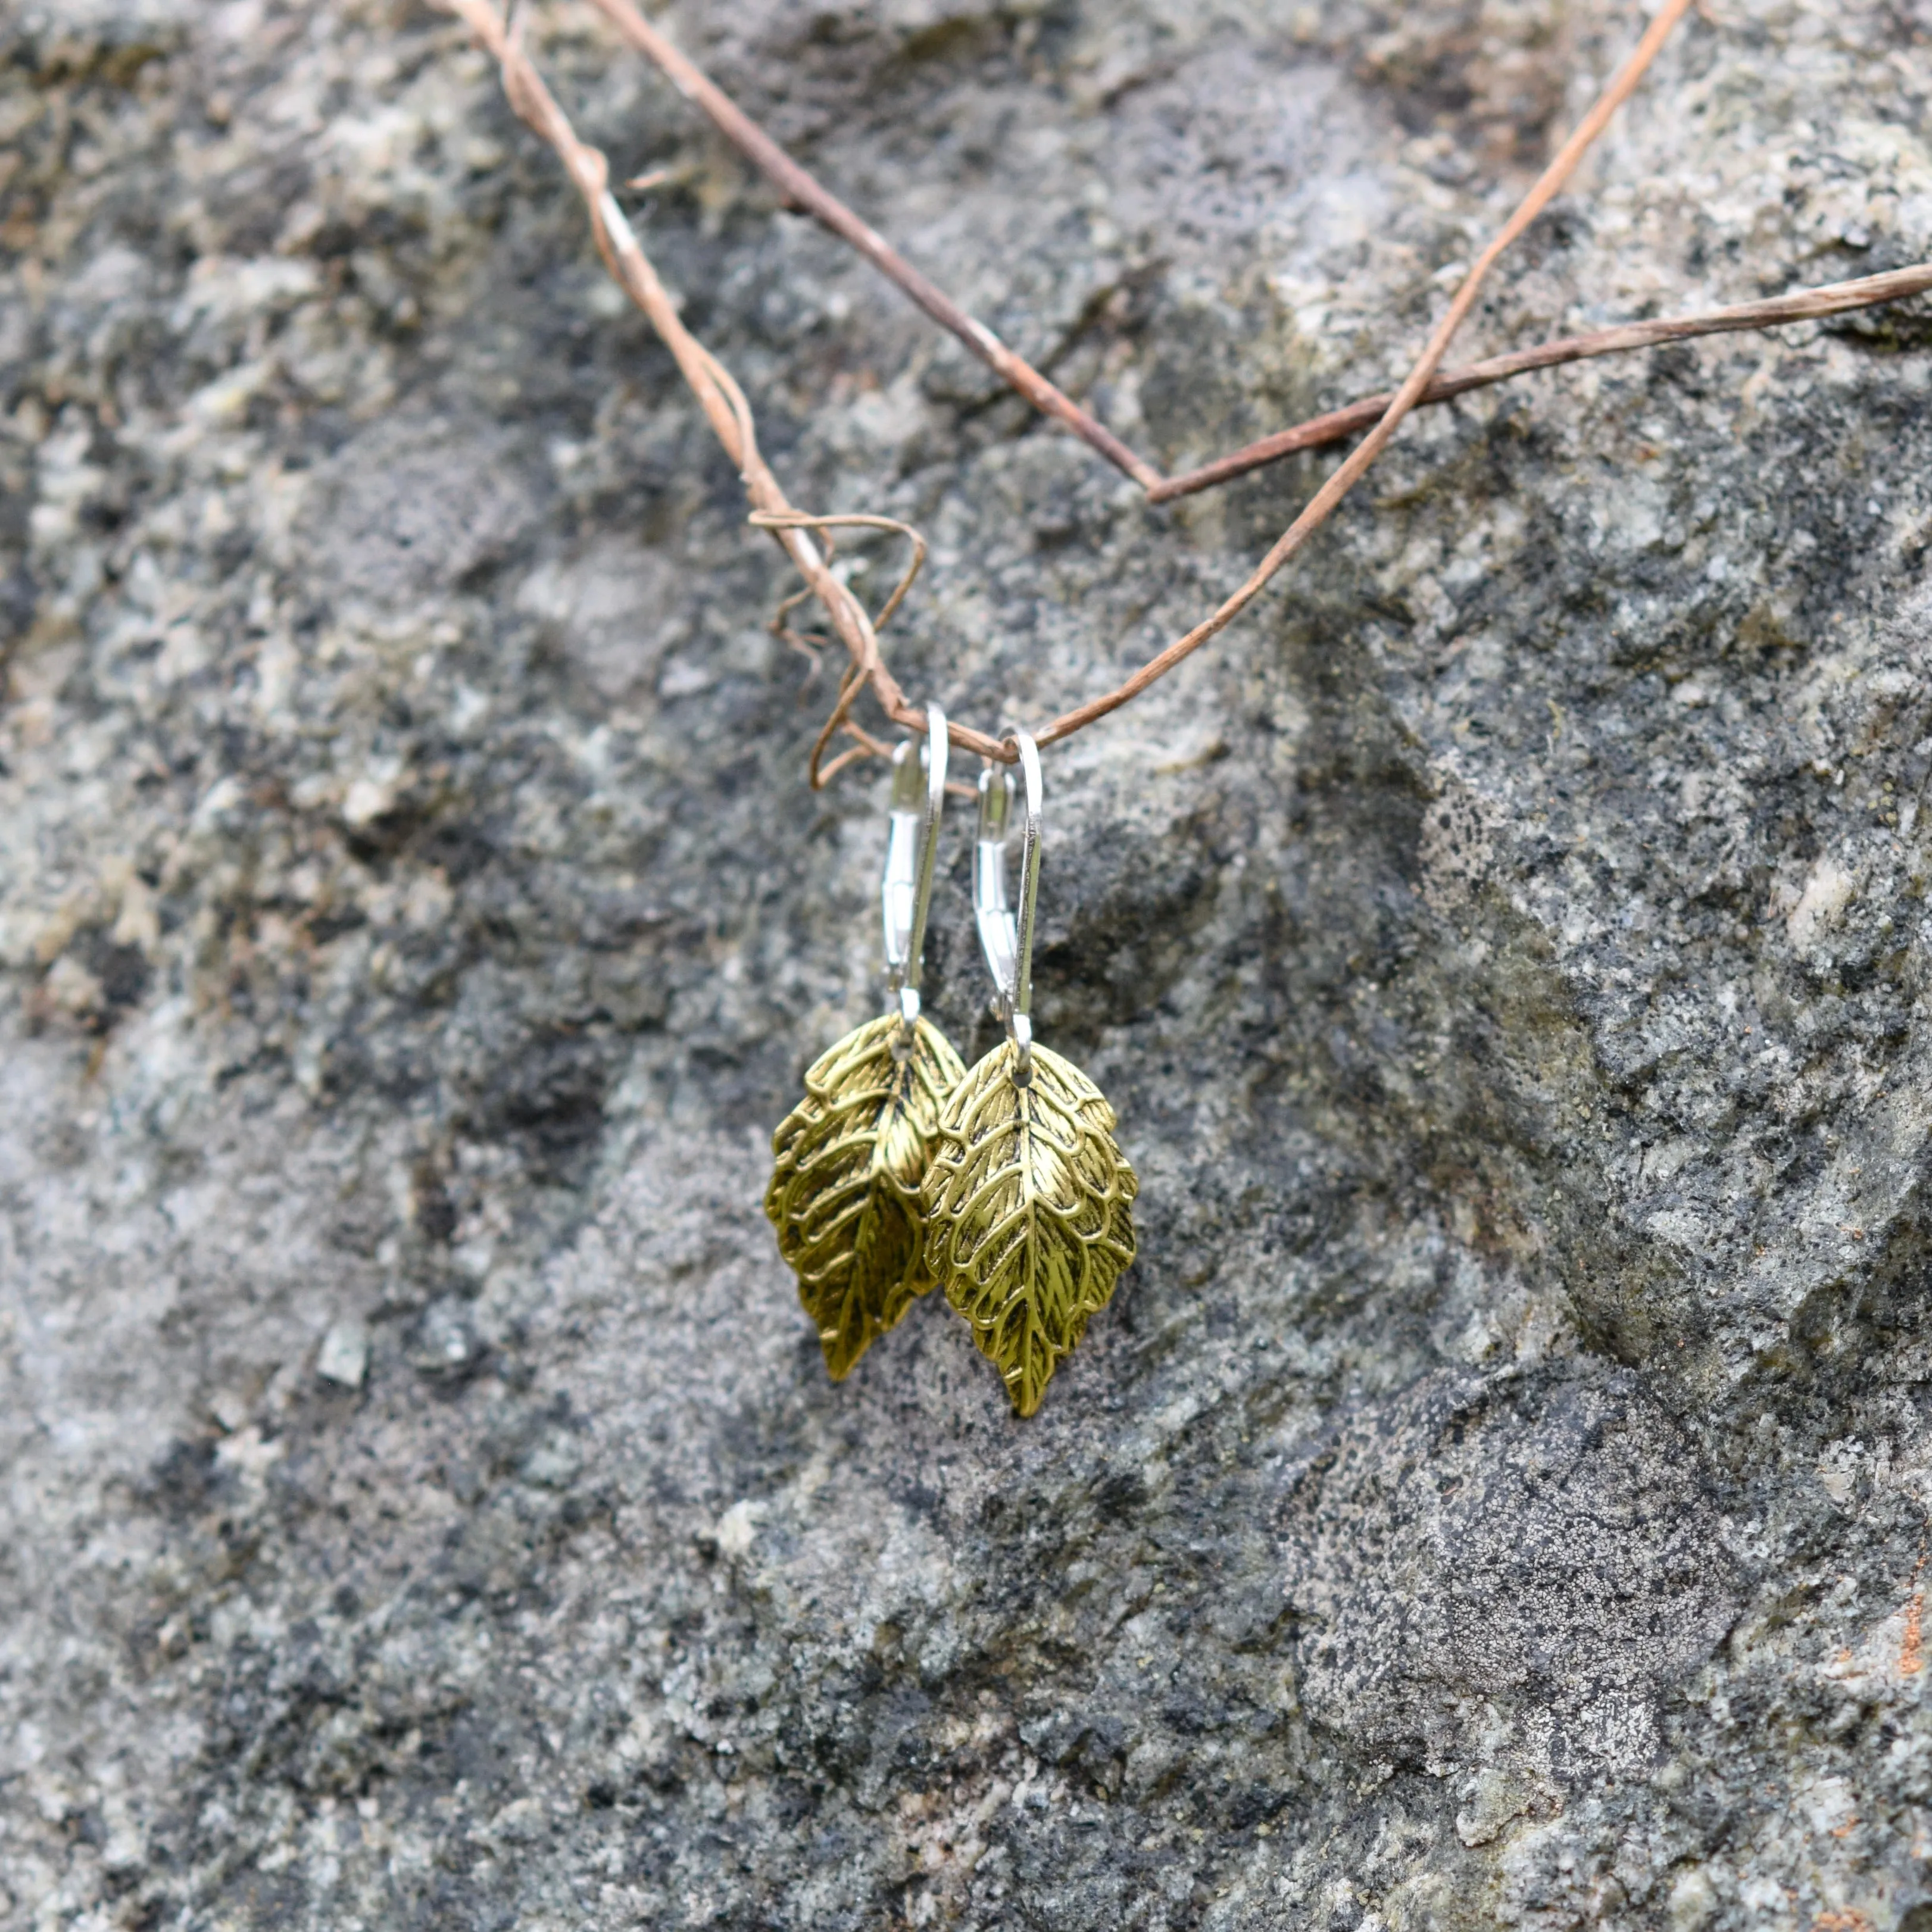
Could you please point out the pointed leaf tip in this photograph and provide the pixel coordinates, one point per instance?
(1027, 1202)
(844, 1192)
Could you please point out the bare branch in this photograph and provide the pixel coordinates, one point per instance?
(801, 188)
(722, 401)
(730, 416)
(1806, 305)
(1322, 504)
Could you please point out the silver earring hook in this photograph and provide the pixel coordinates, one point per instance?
(912, 847)
(999, 931)
(1006, 937)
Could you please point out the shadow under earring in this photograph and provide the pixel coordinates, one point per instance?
(850, 1157)
(1028, 1199)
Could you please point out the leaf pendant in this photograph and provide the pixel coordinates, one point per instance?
(1027, 1207)
(844, 1197)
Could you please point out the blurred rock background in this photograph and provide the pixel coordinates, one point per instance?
(1499, 1495)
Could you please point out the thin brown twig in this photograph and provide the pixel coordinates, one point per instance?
(1385, 411)
(717, 393)
(818, 773)
(797, 519)
(1804, 305)
(808, 648)
(806, 192)
(803, 190)
(867, 746)
(730, 416)
(1322, 504)
(848, 689)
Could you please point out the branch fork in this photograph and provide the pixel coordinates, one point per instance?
(1381, 416)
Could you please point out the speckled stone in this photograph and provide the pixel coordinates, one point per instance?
(1499, 1494)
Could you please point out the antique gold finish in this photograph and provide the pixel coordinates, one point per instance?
(1028, 1199)
(1027, 1203)
(845, 1196)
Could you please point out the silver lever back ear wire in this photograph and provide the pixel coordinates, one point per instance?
(905, 893)
(1006, 937)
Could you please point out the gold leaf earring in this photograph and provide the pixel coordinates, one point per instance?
(1028, 1200)
(844, 1196)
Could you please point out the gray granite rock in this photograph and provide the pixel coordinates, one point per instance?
(1498, 1494)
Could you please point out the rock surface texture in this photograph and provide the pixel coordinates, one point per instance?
(1499, 1494)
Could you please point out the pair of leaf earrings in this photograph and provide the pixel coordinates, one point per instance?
(900, 1171)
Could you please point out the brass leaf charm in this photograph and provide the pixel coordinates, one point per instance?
(845, 1195)
(1027, 1207)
